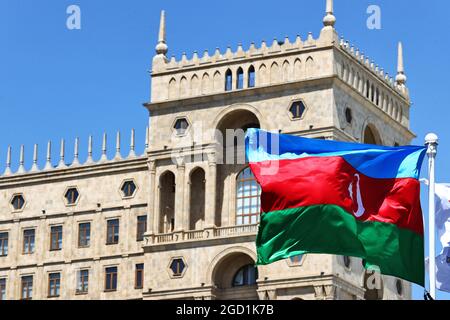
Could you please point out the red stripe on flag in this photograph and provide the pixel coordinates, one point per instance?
(332, 180)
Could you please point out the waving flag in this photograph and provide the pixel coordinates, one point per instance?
(442, 191)
(339, 198)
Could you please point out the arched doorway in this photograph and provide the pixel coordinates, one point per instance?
(230, 137)
(234, 277)
(167, 202)
(231, 134)
(371, 135)
(197, 199)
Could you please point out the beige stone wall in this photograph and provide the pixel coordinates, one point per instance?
(100, 199)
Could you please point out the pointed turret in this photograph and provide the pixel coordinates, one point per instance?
(161, 47)
(401, 77)
(329, 20)
(160, 59)
(328, 35)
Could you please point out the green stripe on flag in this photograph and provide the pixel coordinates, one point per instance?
(330, 229)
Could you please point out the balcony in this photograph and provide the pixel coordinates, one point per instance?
(187, 238)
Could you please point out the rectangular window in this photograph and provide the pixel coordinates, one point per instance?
(111, 279)
(28, 241)
(2, 289)
(84, 235)
(83, 282)
(112, 232)
(27, 288)
(141, 227)
(139, 276)
(3, 244)
(56, 234)
(54, 283)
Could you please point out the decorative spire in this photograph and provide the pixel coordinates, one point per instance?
(132, 145)
(76, 161)
(21, 160)
(401, 77)
(8, 162)
(35, 168)
(89, 159)
(161, 47)
(62, 155)
(104, 158)
(118, 156)
(48, 163)
(329, 20)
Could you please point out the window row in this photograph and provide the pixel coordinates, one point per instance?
(82, 285)
(84, 236)
(372, 92)
(240, 79)
(245, 276)
(71, 196)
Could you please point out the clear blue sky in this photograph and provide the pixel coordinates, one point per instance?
(56, 83)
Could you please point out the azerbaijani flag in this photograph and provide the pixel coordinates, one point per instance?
(339, 198)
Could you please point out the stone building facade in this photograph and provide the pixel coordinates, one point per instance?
(179, 223)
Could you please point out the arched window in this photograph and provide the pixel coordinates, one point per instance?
(246, 276)
(167, 202)
(251, 77)
(248, 202)
(228, 80)
(240, 79)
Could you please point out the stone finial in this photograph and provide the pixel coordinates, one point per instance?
(34, 167)
(89, 159)
(8, 163)
(184, 59)
(329, 20)
(104, 158)
(62, 163)
(195, 57)
(401, 77)
(22, 160)
(161, 47)
(118, 156)
(205, 57)
(48, 162)
(286, 40)
(132, 153)
(76, 149)
(217, 53)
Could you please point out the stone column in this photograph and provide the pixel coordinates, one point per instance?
(156, 213)
(187, 205)
(210, 196)
(179, 194)
(151, 199)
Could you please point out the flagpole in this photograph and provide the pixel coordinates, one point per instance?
(431, 141)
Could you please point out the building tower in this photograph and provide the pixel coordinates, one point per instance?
(205, 210)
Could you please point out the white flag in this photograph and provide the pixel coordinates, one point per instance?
(442, 191)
